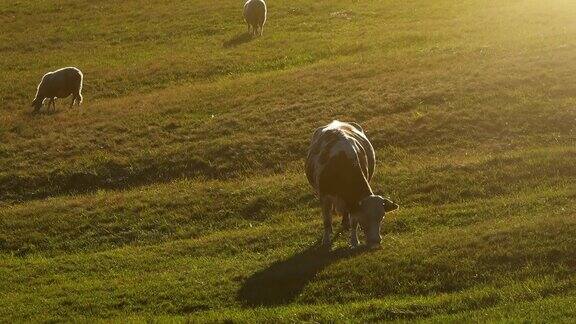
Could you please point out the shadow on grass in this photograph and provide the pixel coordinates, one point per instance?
(238, 39)
(284, 280)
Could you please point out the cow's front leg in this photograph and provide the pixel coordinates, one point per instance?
(327, 216)
(354, 242)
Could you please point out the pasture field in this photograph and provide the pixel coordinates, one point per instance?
(177, 192)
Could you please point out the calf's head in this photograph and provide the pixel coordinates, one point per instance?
(370, 213)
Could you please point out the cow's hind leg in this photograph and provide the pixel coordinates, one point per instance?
(327, 217)
(342, 210)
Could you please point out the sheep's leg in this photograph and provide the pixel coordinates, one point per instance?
(37, 109)
(78, 97)
(261, 30)
(345, 221)
(354, 232)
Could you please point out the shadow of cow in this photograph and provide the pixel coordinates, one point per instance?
(284, 280)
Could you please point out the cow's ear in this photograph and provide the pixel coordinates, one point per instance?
(389, 205)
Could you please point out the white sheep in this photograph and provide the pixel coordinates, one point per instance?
(255, 16)
(59, 84)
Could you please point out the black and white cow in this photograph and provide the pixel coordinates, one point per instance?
(339, 167)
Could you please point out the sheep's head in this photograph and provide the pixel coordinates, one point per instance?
(37, 103)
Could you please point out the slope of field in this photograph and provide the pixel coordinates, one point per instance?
(176, 191)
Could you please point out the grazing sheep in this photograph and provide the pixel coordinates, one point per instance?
(59, 84)
(255, 16)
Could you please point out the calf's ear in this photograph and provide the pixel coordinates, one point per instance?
(389, 205)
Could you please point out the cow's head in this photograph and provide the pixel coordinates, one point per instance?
(370, 213)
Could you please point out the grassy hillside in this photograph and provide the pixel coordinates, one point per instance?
(176, 192)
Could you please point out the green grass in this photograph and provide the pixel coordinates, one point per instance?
(177, 193)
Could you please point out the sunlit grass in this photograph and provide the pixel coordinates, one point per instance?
(176, 192)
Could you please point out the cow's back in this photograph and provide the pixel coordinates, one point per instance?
(340, 161)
